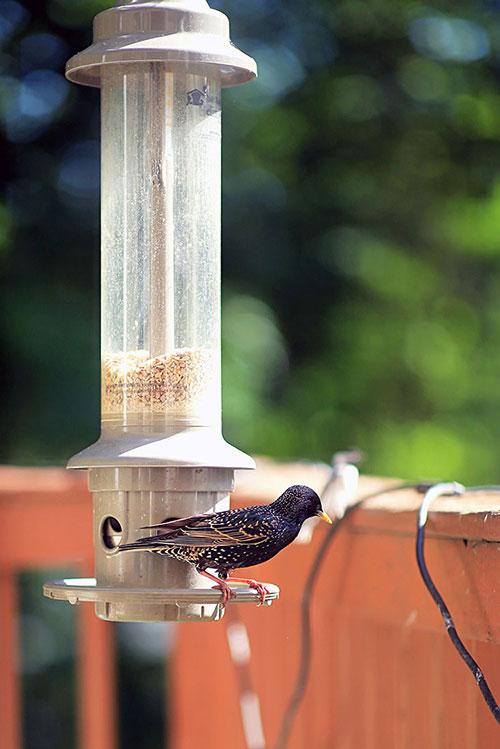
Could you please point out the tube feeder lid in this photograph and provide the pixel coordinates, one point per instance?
(183, 33)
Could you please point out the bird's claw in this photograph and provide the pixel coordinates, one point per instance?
(226, 591)
(259, 587)
(261, 590)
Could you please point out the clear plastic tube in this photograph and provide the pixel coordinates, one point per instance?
(160, 167)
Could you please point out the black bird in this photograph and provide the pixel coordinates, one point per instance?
(224, 541)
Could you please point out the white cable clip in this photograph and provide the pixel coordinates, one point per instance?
(438, 490)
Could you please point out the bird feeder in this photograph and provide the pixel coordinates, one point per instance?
(160, 65)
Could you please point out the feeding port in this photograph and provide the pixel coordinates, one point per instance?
(161, 454)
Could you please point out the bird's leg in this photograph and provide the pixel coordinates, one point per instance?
(261, 589)
(227, 593)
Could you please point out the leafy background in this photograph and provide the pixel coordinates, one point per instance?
(360, 240)
(361, 214)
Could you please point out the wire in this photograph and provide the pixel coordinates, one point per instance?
(305, 655)
(431, 494)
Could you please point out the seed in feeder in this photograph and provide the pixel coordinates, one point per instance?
(169, 382)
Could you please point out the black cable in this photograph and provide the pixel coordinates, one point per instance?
(305, 655)
(432, 493)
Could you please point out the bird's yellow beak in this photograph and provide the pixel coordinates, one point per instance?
(325, 517)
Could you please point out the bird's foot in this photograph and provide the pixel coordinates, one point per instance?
(261, 589)
(226, 591)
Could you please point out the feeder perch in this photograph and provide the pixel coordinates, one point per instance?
(160, 65)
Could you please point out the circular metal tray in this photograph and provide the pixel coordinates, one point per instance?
(80, 589)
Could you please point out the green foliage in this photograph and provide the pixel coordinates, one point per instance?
(75, 13)
(378, 266)
(361, 212)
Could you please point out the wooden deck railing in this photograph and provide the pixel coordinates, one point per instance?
(46, 520)
(383, 673)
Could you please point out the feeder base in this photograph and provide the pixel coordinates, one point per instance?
(154, 604)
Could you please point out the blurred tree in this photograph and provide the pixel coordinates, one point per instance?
(360, 234)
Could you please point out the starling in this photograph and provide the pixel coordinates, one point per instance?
(223, 541)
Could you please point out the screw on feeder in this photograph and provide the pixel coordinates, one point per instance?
(160, 65)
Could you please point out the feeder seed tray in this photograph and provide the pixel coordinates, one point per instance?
(85, 589)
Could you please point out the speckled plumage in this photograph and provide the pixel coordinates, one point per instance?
(224, 541)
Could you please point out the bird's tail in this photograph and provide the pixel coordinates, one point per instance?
(141, 543)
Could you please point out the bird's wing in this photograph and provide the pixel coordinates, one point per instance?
(179, 522)
(220, 529)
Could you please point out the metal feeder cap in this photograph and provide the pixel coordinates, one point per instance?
(182, 33)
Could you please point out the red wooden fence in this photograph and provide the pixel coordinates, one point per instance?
(383, 676)
(46, 520)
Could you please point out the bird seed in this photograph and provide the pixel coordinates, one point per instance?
(175, 383)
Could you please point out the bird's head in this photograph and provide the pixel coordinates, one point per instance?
(300, 502)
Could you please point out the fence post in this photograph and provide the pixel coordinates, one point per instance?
(10, 701)
(97, 707)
